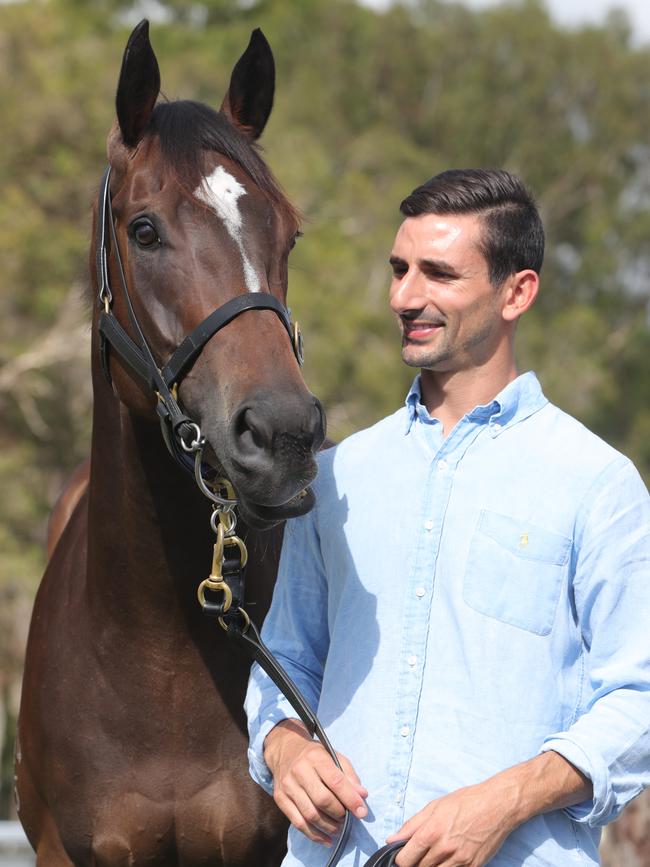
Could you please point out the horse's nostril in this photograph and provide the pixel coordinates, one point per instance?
(251, 432)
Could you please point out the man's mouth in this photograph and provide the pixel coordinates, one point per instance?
(417, 330)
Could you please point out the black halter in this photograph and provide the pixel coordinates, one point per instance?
(179, 431)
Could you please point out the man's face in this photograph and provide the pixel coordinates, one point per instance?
(449, 312)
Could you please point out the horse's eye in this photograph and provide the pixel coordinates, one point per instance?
(294, 239)
(145, 234)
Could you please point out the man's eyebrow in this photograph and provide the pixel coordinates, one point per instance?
(438, 266)
(431, 266)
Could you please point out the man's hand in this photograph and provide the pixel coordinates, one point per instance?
(308, 787)
(467, 827)
(463, 829)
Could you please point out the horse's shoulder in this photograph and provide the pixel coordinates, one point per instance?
(73, 491)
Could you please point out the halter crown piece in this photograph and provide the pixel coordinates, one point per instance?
(182, 436)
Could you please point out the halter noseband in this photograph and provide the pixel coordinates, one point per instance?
(182, 435)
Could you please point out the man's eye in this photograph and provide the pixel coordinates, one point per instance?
(145, 234)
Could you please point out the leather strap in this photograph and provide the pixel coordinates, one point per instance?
(250, 641)
(192, 345)
(385, 857)
(116, 336)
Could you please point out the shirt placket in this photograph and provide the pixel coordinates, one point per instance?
(417, 601)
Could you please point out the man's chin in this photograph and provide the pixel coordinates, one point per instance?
(418, 356)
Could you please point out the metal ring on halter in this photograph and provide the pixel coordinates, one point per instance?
(215, 587)
(298, 344)
(244, 615)
(197, 443)
(205, 490)
(223, 515)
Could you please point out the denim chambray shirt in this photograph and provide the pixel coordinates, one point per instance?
(453, 606)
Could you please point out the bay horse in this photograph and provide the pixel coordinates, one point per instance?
(131, 744)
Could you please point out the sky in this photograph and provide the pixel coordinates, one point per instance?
(576, 12)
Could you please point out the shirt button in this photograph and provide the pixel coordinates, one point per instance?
(404, 731)
(496, 425)
(412, 660)
(428, 524)
(442, 465)
(420, 592)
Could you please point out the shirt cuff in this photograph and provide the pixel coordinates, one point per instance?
(599, 809)
(257, 767)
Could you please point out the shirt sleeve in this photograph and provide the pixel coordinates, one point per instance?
(296, 631)
(610, 740)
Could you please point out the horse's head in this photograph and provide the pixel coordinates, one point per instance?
(199, 220)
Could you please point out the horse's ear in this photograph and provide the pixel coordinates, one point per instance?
(249, 100)
(138, 86)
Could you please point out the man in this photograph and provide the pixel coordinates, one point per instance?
(468, 603)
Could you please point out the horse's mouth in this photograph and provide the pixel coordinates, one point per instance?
(258, 515)
(263, 517)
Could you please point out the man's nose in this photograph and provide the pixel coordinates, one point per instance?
(408, 293)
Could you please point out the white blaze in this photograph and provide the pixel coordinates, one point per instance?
(221, 191)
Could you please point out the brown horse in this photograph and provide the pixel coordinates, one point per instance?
(132, 745)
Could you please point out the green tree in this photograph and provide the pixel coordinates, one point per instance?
(368, 105)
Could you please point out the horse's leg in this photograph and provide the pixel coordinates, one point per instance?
(37, 822)
(73, 491)
(50, 851)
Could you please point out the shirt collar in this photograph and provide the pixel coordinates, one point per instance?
(518, 400)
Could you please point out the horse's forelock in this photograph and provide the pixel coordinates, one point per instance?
(186, 129)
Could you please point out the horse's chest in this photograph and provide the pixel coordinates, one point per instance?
(221, 823)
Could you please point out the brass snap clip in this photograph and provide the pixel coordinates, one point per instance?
(215, 581)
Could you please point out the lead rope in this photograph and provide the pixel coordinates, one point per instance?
(221, 595)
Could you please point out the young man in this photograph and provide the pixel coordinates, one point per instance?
(468, 603)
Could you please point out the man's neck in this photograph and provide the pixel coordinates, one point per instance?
(449, 396)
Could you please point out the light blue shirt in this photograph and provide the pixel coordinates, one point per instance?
(453, 606)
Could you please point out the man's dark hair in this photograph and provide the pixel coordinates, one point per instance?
(513, 235)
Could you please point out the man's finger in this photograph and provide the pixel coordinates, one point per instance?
(311, 810)
(293, 814)
(412, 854)
(351, 774)
(347, 793)
(410, 826)
(323, 798)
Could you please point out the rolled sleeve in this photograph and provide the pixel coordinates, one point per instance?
(296, 632)
(263, 714)
(609, 741)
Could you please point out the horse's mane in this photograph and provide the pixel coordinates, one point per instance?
(185, 129)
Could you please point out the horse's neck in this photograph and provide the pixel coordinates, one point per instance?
(149, 534)
(149, 537)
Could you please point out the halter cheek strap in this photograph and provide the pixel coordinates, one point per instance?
(177, 428)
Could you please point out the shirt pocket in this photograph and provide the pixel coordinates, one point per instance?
(515, 571)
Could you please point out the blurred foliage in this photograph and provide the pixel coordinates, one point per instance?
(368, 105)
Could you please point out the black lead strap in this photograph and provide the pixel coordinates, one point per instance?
(248, 638)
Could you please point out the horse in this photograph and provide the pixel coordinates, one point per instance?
(131, 744)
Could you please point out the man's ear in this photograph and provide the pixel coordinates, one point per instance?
(520, 293)
(249, 100)
(138, 87)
